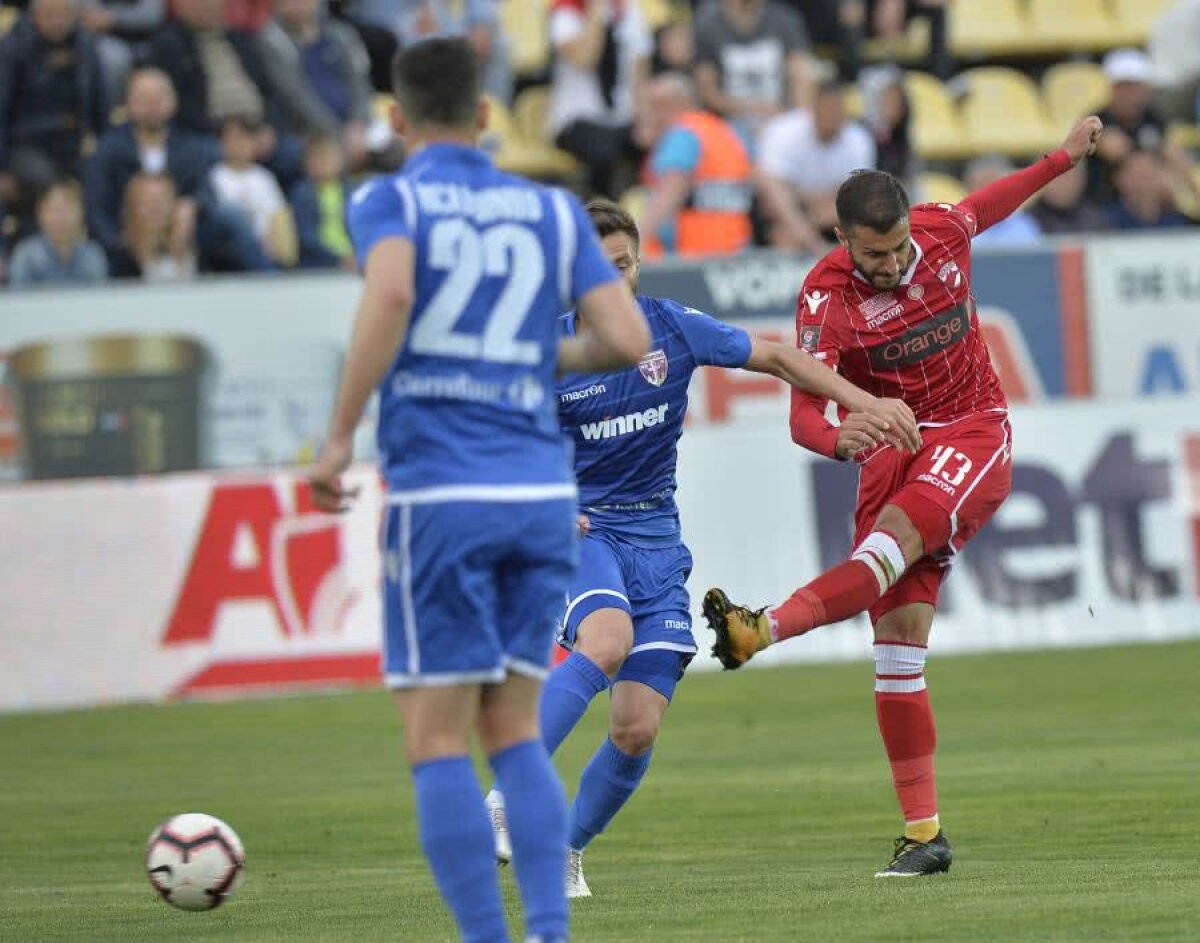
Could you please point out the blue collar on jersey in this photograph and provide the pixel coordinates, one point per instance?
(441, 152)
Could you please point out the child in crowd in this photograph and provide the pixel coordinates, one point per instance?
(61, 252)
(241, 183)
(319, 206)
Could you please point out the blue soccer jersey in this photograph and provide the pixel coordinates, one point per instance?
(469, 399)
(479, 540)
(626, 425)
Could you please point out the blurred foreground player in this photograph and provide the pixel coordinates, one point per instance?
(628, 620)
(892, 310)
(467, 271)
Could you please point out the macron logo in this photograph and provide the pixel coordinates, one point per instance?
(623, 425)
(815, 299)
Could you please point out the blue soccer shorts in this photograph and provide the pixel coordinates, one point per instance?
(648, 583)
(473, 589)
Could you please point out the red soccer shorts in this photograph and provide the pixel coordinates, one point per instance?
(949, 490)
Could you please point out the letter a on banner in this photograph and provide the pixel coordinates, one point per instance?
(251, 548)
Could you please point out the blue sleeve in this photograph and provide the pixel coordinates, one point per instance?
(591, 267)
(378, 210)
(678, 151)
(712, 342)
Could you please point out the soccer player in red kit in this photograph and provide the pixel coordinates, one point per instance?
(891, 309)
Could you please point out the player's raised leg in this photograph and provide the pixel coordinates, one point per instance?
(907, 726)
(847, 589)
(452, 822)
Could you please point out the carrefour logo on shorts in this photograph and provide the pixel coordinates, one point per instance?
(623, 425)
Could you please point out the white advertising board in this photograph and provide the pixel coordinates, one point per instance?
(179, 585)
(1144, 308)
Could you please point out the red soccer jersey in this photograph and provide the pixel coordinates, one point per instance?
(919, 342)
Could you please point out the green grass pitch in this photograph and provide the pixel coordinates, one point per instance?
(1070, 783)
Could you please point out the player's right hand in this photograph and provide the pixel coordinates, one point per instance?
(1084, 137)
(326, 477)
(899, 423)
(584, 525)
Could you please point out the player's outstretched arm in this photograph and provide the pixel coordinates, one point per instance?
(1003, 197)
(611, 332)
(883, 419)
(379, 329)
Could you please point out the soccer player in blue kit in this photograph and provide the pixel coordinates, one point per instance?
(467, 271)
(628, 620)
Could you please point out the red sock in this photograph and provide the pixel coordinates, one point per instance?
(837, 594)
(846, 590)
(907, 726)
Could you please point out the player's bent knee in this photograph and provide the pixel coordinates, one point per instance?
(910, 624)
(914, 532)
(606, 636)
(636, 735)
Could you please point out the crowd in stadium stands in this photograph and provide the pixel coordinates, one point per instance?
(154, 139)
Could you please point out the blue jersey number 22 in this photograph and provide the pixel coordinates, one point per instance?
(466, 255)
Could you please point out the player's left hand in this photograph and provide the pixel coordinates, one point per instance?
(584, 524)
(326, 477)
(1084, 137)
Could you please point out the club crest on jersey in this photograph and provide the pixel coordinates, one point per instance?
(653, 367)
(814, 299)
(950, 275)
(916, 292)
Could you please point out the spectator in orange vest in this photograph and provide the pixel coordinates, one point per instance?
(697, 175)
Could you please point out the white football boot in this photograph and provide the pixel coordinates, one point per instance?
(495, 807)
(576, 885)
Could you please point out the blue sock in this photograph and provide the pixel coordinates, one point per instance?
(537, 823)
(565, 698)
(608, 781)
(456, 836)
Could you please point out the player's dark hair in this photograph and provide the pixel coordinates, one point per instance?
(436, 82)
(871, 198)
(609, 217)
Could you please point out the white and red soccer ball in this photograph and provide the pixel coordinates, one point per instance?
(195, 861)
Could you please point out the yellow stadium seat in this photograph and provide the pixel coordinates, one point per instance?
(8, 17)
(529, 112)
(912, 47)
(1134, 19)
(1186, 136)
(527, 25)
(937, 127)
(658, 13)
(517, 153)
(633, 201)
(1072, 25)
(988, 28)
(855, 107)
(940, 188)
(1071, 90)
(1003, 113)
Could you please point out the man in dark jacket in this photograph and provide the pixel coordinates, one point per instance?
(151, 142)
(219, 73)
(51, 100)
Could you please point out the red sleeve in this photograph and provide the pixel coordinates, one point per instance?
(998, 200)
(810, 428)
(817, 334)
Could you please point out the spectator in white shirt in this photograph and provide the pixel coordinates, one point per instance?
(240, 183)
(602, 50)
(803, 157)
